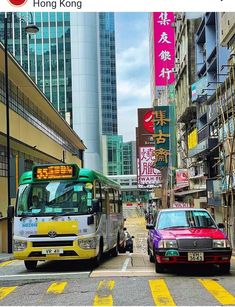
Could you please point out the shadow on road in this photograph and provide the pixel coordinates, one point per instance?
(67, 265)
(194, 270)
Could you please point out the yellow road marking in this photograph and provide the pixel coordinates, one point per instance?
(4, 291)
(219, 292)
(103, 295)
(160, 293)
(57, 288)
(6, 263)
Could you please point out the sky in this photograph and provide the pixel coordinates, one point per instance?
(133, 75)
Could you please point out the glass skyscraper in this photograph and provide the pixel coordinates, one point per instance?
(72, 60)
(108, 73)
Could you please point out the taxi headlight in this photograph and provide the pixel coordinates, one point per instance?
(168, 244)
(87, 243)
(221, 244)
(19, 245)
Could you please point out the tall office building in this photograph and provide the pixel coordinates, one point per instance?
(72, 60)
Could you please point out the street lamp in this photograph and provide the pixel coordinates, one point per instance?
(30, 29)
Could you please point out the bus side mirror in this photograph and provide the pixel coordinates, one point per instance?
(10, 212)
(95, 205)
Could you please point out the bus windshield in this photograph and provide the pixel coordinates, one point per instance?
(54, 198)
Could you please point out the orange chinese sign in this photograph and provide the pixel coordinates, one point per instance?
(51, 172)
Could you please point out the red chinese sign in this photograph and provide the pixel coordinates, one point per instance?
(164, 52)
(181, 177)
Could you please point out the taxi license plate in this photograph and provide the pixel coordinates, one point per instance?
(195, 256)
(52, 251)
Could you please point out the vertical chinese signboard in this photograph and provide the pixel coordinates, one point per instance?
(164, 44)
(148, 176)
(162, 136)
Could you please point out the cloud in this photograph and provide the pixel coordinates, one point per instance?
(133, 86)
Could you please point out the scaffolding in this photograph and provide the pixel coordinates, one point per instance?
(225, 103)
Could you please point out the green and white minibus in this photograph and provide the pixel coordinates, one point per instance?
(64, 212)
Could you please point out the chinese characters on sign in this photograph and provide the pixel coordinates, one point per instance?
(148, 176)
(161, 136)
(164, 48)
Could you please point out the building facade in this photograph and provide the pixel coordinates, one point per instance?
(129, 158)
(72, 60)
(38, 133)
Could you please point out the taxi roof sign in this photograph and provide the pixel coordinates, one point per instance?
(55, 172)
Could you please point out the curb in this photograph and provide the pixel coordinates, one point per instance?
(7, 258)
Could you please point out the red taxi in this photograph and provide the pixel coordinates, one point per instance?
(187, 236)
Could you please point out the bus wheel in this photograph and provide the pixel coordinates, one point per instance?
(96, 261)
(30, 265)
(114, 250)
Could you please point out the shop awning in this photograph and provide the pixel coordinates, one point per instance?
(181, 187)
(182, 193)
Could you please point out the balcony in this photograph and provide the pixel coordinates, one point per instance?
(205, 145)
(203, 134)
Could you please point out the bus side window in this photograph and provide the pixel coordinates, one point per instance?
(116, 201)
(98, 193)
(111, 201)
(104, 194)
(119, 203)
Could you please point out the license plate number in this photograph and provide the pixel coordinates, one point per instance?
(52, 251)
(195, 256)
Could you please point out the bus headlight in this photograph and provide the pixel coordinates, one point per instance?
(89, 243)
(221, 244)
(19, 245)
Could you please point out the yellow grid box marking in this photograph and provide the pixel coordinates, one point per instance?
(160, 293)
(6, 263)
(103, 295)
(57, 288)
(4, 291)
(219, 292)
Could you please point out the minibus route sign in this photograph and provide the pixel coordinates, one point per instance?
(54, 172)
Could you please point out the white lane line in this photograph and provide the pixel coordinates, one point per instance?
(43, 274)
(125, 264)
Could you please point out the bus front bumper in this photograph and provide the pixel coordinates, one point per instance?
(73, 252)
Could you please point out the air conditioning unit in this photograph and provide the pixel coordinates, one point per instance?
(177, 61)
(179, 16)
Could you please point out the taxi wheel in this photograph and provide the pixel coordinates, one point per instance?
(30, 265)
(159, 268)
(151, 257)
(224, 268)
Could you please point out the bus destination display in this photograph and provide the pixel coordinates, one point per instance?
(54, 172)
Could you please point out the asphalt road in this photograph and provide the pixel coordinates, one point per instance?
(128, 279)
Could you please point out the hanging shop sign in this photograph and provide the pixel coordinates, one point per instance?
(161, 136)
(148, 176)
(164, 44)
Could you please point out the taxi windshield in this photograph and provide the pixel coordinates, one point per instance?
(53, 198)
(185, 219)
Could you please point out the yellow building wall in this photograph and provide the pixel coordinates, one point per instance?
(24, 132)
(3, 195)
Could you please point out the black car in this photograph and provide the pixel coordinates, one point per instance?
(129, 241)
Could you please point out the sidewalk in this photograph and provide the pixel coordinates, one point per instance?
(6, 257)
